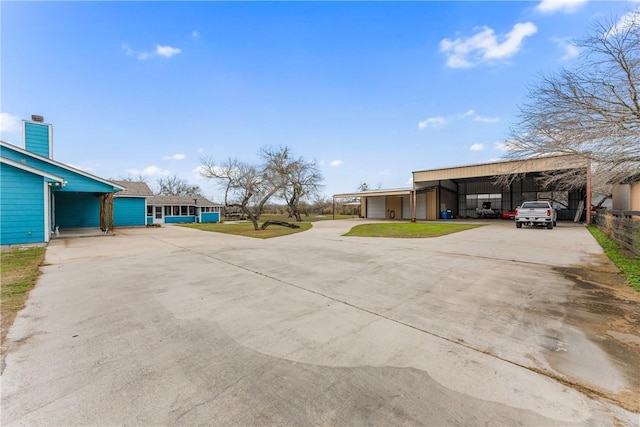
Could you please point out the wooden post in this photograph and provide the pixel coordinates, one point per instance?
(103, 212)
(110, 197)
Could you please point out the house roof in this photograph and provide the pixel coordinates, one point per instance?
(35, 171)
(133, 189)
(181, 200)
(22, 151)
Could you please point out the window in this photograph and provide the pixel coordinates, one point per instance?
(176, 210)
(167, 211)
(149, 210)
(184, 210)
(192, 210)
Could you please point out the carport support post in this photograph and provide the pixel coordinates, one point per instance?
(110, 197)
(103, 212)
(412, 200)
(334, 207)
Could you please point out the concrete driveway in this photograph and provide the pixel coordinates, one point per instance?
(173, 326)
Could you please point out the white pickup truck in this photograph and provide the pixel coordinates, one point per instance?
(536, 213)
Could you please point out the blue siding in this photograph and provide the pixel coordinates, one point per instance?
(129, 211)
(36, 138)
(75, 181)
(149, 220)
(76, 210)
(210, 216)
(181, 218)
(21, 206)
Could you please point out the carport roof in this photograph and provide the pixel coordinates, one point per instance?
(506, 167)
(370, 193)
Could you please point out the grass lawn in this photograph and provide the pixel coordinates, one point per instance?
(245, 228)
(408, 230)
(628, 263)
(18, 274)
(310, 218)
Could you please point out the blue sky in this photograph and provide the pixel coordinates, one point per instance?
(371, 90)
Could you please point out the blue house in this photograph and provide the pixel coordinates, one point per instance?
(130, 205)
(39, 195)
(182, 209)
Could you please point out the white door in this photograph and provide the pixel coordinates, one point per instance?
(406, 207)
(375, 207)
(158, 215)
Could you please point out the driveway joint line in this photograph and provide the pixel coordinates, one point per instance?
(575, 385)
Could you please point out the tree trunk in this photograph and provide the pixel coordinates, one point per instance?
(282, 223)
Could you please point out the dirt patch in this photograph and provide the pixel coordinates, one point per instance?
(607, 310)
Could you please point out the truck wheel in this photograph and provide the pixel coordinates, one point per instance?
(550, 226)
(518, 225)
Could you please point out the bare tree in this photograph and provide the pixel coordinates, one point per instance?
(247, 186)
(129, 178)
(174, 186)
(366, 187)
(227, 173)
(299, 179)
(363, 187)
(592, 111)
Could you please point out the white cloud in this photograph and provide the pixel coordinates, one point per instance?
(569, 49)
(167, 51)
(9, 123)
(127, 50)
(176, 156)
(626, 21)
(487, 119)
(197, 172)
(149, 171)
(431, 122)
(164, 51)
(500, 146)
(477, 147)
(335, 163)
(468, 113)
(486, 46)
(566, 6)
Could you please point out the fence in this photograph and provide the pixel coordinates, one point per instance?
(621, 226)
